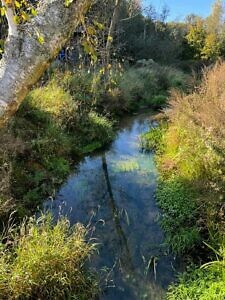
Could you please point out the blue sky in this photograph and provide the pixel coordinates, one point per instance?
(180, 8)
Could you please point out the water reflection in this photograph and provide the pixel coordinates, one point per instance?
(115, 190)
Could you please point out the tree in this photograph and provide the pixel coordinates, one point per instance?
(214, 23)
(212, 47)
(196, 37)
(206, 37)
(31, 45)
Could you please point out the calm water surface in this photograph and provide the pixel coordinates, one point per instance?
(114, 192)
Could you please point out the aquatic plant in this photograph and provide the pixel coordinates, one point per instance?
(128, 165)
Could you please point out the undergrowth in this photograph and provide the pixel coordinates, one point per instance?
(205, 283)
(148, 84)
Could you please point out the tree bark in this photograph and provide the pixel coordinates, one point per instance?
(25, 59)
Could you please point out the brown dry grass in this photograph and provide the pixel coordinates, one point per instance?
(205, 107)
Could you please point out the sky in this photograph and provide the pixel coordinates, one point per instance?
(181, 8)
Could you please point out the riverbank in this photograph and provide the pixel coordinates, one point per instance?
(190, 158)
(60, 122)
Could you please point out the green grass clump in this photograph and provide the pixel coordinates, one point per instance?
(205, 283)
(152, 140)
(180, 215)
(98, 129)
(46, 262)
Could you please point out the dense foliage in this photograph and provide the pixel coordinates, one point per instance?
(191, 189)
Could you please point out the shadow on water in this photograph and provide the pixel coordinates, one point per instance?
(113, 191)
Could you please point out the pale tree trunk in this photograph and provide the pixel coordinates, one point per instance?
(25, 59)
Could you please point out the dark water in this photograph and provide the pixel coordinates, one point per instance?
(114, 191)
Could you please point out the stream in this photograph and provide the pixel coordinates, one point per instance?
(114, 192)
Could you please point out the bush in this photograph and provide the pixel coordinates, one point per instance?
(149, 85)
(46, 262)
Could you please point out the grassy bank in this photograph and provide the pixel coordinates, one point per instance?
(55, 126)
(190, 157)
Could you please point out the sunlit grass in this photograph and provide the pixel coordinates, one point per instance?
(43, 261)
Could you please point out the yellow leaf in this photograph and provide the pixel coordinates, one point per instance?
(110, 38)
(33, 12)
(17, 4)
(41, 39)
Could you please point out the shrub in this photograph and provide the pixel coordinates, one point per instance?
(157, 101)
(149, 85)
(46, 262)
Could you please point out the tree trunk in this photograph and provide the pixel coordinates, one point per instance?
(112, 29)
(26, 58)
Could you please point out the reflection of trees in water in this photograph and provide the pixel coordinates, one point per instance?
(141, 121)
(126, 258)
(141, 287)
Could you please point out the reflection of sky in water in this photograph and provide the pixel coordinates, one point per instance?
(118, 188)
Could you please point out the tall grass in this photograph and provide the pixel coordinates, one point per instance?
(46, 261)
